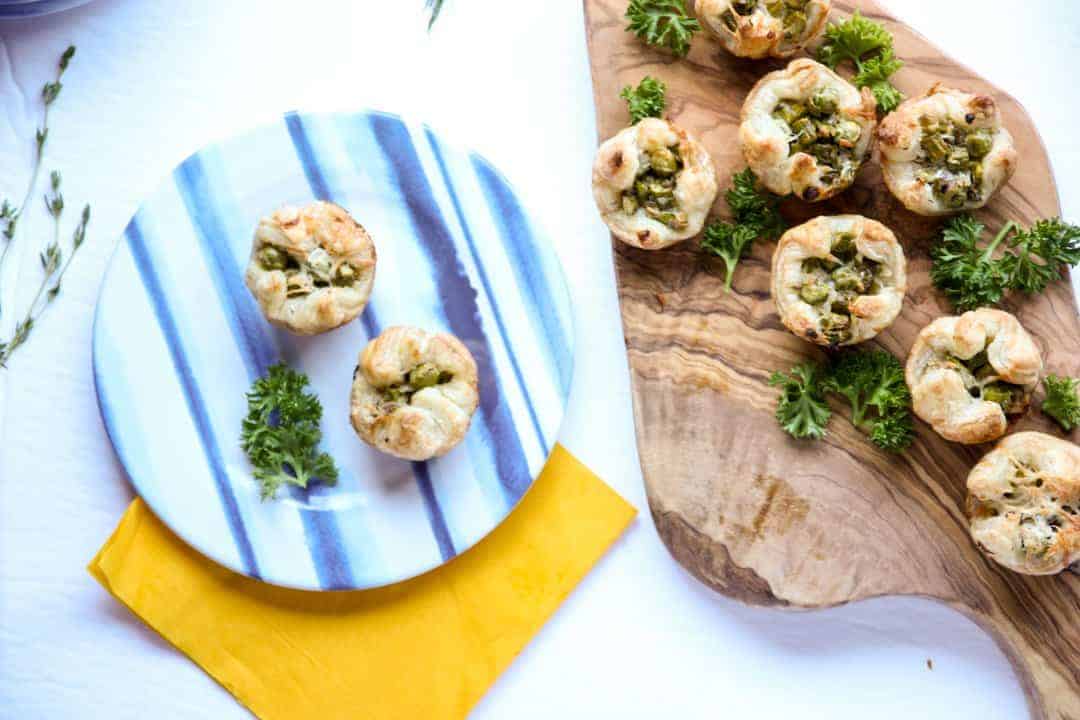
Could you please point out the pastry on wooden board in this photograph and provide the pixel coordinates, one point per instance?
(945, 152)
(414, 393)
(763, 28)
(838, 280)
(653, 184)
(1024, 503)
(970, 375)
(311, 268)
(806, 130)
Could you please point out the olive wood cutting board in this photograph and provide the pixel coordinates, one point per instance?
(773, 521)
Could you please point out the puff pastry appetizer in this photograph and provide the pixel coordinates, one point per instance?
(838, 280)
(764, 28)
(653, 184)
(414, 393)
(945, 152)
(1024, 503)
(311, 268)
(970, 374)
(806, 130)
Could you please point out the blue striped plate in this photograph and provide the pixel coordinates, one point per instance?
(178, 340)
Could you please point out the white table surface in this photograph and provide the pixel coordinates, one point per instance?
(154, 81)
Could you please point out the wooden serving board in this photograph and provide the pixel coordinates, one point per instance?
(774, 521)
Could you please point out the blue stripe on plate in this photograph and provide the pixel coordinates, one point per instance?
(515, 228)
(255, 344)
(321, 189)
(464, 315)
(199, 414)
(478, 260)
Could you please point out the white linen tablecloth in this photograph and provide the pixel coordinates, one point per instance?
(153, 81)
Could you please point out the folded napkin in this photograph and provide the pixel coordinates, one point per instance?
(427, 648)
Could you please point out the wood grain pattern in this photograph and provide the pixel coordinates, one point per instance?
(773, 521)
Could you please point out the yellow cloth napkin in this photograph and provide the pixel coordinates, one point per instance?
(424, 649)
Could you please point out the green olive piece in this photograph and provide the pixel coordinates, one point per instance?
(843, 246)
(979, 144)
(847, 277)
(935, 147)
(797, 4)
(1001, 393)
(824, 101)
(976, 170)
(805, 131)
(775, 7)
(423, 376)
(641, 190)
(394, 393)
(271, 258)
(789, 111)
(957, 160)
(794, 24)
(847, 133)
(728, 19)
(954, 191)
(836, 327)
(826, 154)
(630, 203)
(664, 162)
(814, 292)
(345, 275)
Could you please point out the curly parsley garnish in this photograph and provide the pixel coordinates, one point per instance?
(646, 100)
(281, 433)
(971, 276)
(869, 47)
(871, 381)
(1061, 402)
(662, 23)
(755, 216)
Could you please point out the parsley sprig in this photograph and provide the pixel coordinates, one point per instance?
(281, 433)
(755, 216)
(1061, 402)
(869, 48)
(872, 381)
(663, 24)
(646, 100)
(971, 276)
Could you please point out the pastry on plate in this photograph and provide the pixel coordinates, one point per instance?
(764, 28)
(653, 184)
(806, 130)
(945, 152)
(311, 268)
(970, 375)
(1024, 503)
(414, 393)
(838, 280)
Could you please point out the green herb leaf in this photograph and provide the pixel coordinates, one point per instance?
(66, 57)
(662, 23)
(755, 216)
(872, 381)
(868, 46)
(1062, 402)
(646, 100)
(281, 432)
(434, 7)
(801, 409)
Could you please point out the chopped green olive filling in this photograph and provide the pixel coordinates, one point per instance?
(654, 188)
(834, 283)
(422, 376)
(303, 278)
(791, 12)
(817, 128)
(952, 160)
(981, 380)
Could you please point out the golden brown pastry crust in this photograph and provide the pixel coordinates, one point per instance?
(319, 239)
(387, 409)
(870, 313)
(759, 34)
(899, 141)
(941, 390)
(765, 140)
(1024, 503)
(617, 165)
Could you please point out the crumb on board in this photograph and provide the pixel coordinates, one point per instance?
(929, 664)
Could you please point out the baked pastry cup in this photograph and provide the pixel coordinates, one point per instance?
(945, 152)
(653, 184)
(764, 28)
(969, 375)
(838, 280)
(311, 268)
(414, 393)
(805, 130)
(1024, 503)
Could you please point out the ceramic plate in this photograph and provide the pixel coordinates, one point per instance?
(178, 339)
